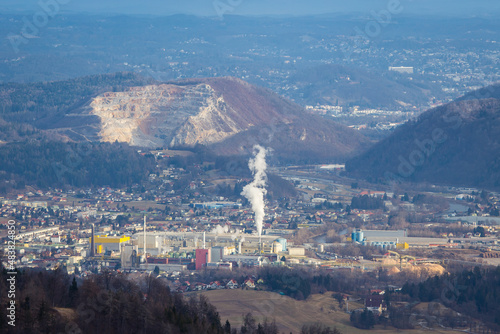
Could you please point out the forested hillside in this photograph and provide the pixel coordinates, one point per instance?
(55, 164)
(456, 144)
(475, 293)
(50, 302)
(41, 103)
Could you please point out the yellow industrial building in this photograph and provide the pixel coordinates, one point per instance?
(105, 243)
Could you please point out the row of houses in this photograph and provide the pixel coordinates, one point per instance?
(186, 286)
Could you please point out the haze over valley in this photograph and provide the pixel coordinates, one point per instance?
(257, 167)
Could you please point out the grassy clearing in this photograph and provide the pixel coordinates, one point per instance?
(290, 315)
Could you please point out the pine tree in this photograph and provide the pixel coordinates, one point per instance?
(227, 327)
(73, 292)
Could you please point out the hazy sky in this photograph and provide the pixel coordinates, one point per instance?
(259, 7)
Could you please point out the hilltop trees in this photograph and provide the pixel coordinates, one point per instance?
(58, 164)
(291, 282)
(366, 202)
(53, 302)
(44, 102)
(104, 303)
(318, 329)
(472, 292)
(363, 320)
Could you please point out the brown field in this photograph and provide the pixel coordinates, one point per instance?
(290, 315)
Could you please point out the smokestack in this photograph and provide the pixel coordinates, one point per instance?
(144, 236)
(92, 244)
(204, 244)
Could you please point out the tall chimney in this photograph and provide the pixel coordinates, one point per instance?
(144, 236)
(204, 244)
(92, 244)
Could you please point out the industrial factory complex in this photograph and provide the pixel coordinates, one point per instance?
(188, 231)
(169, 251)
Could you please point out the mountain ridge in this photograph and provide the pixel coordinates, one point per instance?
(228, 113)
(455, 144)
(225, 114)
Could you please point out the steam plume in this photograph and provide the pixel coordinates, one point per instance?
(220, 230)
(256, 190)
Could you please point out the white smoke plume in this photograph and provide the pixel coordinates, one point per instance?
(217, 230)
(235, 234)
(256, 190)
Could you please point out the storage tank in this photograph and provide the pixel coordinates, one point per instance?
(361, 236)
(283, 243)
(277, 247)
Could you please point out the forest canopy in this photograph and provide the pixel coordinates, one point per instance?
(55, 164)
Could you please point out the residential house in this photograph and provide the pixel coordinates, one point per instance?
(376, 303)
(232, 284)
(200, 286)
(214, 285)
(249, 283)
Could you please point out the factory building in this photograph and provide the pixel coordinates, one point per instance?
(105, 243)
(156, 244)
(128, 256)
(363, 236)
(40, 233)
(217, 253)
(283, 243)
(277, 248)
(393, 239)
(202, 258)
(171, 263)
(247, 260)
(357, 236)
(215, 205)
(296, 251)
(220, 266)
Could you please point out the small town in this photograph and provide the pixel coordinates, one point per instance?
(195, 239)
(250, 167)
